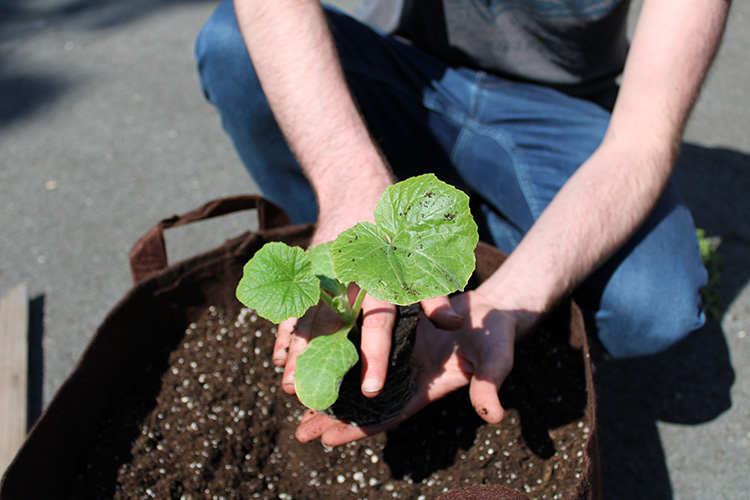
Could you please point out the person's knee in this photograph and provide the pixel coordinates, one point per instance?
(221, 56)
(651, 314)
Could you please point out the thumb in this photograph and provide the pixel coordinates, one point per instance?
(486, 381)
(484, 399)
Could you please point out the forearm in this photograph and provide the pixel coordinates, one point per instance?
(615, 190)
(298, 67)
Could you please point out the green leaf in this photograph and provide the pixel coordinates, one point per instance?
(320, 367)
(712, 261)
(278, 282)
(340, 305)
(322, 267)
(422, 245)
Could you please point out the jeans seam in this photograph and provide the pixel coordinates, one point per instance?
(434, 105)
(464, 134)
(503, 140)
(506, 232)
(470, 126)
(519, 165)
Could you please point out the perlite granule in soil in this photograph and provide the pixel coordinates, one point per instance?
(211, 423)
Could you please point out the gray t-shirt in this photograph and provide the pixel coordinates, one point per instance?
(577, 46)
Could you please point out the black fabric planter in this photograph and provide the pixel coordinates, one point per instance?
(164, 302)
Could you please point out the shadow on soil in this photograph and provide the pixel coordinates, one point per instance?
(689, 383)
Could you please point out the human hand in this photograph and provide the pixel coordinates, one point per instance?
(295, 333)
(378, 319)
(478, 354)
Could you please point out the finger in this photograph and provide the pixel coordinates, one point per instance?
(283, 338)
(316, 425)
(377, 325)
(298, 341)
(333, 432)
(485, 384)
(342, 433)
(308, 414)
(441, 313)
(312, 427)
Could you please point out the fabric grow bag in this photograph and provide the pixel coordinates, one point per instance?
(163, 302)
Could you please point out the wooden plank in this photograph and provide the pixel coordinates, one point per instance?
(14, 323)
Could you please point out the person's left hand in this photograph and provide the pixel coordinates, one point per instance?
(479, 354)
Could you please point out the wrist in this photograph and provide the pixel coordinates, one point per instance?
(336, 218)
(352, 174)
(526, 307)
(350, 198)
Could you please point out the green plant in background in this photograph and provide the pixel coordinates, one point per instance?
(713, 263)
(420, 247)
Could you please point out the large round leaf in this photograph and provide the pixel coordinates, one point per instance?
(422, 245)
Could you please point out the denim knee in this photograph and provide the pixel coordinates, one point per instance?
(646, 319)
(223, 63)
(648, 297)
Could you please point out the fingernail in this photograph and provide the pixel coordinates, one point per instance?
(371, 385)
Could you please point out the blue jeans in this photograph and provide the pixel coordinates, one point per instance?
(510, 145)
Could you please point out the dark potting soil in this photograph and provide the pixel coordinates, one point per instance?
(213, 424)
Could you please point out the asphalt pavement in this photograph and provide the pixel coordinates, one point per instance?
(104, 131)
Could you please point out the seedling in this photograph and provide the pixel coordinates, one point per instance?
(713, 263)
(420, 247)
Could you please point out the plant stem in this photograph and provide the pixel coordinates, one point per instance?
(344, 330)
(358, 304)
(350, 318)
(326, 298)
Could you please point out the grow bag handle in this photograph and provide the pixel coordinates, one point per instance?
(149, 254)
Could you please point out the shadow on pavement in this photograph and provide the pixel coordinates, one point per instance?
(36, 359)
(23, 93)
(715, 183)
(689, 383)
(108, 12)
